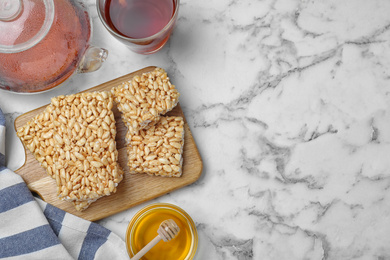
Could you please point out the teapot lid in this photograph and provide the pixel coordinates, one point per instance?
(24, 23)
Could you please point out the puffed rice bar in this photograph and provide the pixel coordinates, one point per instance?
(74, 140)
(144, 98)
(158, 150)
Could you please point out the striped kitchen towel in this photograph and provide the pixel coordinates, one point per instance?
(33, 229)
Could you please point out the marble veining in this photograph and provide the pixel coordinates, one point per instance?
(289, 104)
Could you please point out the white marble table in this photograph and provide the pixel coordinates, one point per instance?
(289, 103)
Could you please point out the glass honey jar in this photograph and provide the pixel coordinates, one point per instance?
(143, 228)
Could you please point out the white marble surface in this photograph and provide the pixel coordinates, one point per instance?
(289, 103)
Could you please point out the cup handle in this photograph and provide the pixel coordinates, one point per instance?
(92, 60)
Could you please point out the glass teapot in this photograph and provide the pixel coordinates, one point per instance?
(43, 43)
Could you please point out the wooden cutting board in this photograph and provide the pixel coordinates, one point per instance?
(134, 188)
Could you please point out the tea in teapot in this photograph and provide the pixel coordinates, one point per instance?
(43, 42)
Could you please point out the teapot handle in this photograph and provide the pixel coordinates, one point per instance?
(92, 60)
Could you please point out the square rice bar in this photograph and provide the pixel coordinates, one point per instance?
(158, 150)
(144, 98)
(74, 140)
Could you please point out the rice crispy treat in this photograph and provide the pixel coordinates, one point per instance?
(36, 136)
(158, 150)
(74, 140)
(144, 98)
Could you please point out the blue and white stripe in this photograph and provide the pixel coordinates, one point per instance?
(32, 229)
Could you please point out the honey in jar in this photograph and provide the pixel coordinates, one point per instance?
(143, 228)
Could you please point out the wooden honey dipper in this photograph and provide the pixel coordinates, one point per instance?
(167, 230)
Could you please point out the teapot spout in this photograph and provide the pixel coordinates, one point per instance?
(92, 60)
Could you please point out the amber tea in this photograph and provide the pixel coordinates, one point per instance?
(139, 18)
(143, 25)
(52, 60)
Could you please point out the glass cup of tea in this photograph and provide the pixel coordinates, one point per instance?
(143, 25)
